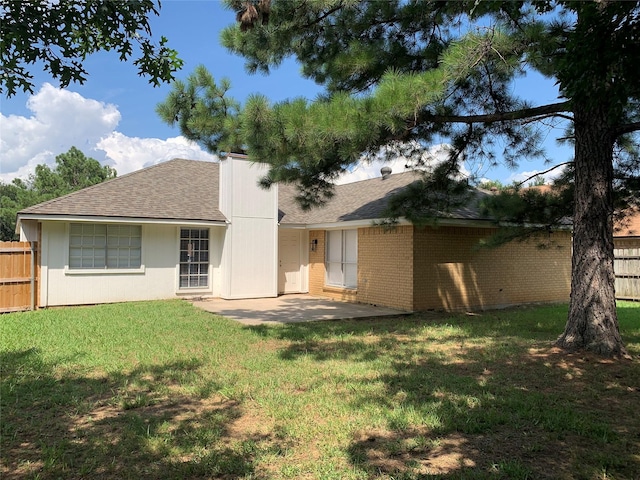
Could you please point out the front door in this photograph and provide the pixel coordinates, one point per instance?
(289, 277)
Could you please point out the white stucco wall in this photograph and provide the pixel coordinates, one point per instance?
(157, 279)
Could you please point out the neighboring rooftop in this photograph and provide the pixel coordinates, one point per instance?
(628, 225)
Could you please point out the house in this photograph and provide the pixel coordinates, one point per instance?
(190, 228)
(626, 244)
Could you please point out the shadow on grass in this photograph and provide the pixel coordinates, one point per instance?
(507, 417)
(480, 396)
(116, 426)
(483, 396)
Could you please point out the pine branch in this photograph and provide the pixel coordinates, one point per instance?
(627, 128)
(542, 173)
(533, 112)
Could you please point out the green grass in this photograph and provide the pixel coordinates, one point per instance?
(161, 390)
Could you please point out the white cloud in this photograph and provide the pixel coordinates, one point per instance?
(127, 154)
(365, 170)
(61, 119)
(525, 176)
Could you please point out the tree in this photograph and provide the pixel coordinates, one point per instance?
(63, 33)
(401, 75)
(73, 171)
(13, 197)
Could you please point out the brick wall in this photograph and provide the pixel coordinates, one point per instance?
(452, 274)
(385, 266)
(441, 268)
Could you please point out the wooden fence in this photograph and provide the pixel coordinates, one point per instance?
(19, 276)
(627, 269)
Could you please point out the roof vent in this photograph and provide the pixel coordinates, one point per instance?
(385, 172)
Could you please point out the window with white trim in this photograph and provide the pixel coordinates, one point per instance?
(342, 258)
(108, 246)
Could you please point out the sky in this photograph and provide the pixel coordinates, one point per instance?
(111, 117)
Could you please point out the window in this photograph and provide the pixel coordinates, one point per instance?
(104, 246)
(342, 258)
(194, 258)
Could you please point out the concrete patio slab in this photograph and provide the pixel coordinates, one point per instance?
(290, 309)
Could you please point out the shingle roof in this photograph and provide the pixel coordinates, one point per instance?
(188, 190)
(363, 200)
(177, 189)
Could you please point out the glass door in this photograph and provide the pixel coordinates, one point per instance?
(194, 258)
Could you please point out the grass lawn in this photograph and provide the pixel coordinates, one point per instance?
(160, 390)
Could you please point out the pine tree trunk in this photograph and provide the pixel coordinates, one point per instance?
(592, 322)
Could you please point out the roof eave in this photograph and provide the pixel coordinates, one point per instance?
(105, 219)
(401, 221)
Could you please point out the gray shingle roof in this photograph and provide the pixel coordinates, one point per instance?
(188, 190)
(363, 200)
(174, 190)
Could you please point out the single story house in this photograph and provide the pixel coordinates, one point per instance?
(192, 228)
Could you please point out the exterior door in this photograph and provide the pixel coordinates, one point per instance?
(194, 258)
(289, 277)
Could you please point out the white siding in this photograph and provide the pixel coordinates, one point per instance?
(249, 258)
(249, 200)
(252, 258)
(29, 231)
(157, 280)
(217, 240)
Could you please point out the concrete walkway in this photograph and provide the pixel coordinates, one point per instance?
(290, 309)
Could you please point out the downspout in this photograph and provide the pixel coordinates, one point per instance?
(33, 276)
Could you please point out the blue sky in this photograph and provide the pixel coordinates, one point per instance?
(112, 119)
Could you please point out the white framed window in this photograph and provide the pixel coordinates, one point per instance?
(194, 258)
(104, 246)
(341, 259)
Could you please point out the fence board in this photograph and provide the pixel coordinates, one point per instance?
(627, 269)
(16, 276)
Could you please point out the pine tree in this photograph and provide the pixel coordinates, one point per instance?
(402, 75)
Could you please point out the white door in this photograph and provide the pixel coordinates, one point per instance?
(289, 277)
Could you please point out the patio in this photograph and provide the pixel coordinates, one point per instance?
(290, 309)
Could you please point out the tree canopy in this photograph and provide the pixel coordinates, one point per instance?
(61, 34)
(73, 171)
(401, 76)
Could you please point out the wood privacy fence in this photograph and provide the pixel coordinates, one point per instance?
(627, 269)
(19, 276)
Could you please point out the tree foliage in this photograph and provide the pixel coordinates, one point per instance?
(73, 171)
(61, 34)
(412, 74)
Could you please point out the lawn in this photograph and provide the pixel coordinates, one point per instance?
(161, 390)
